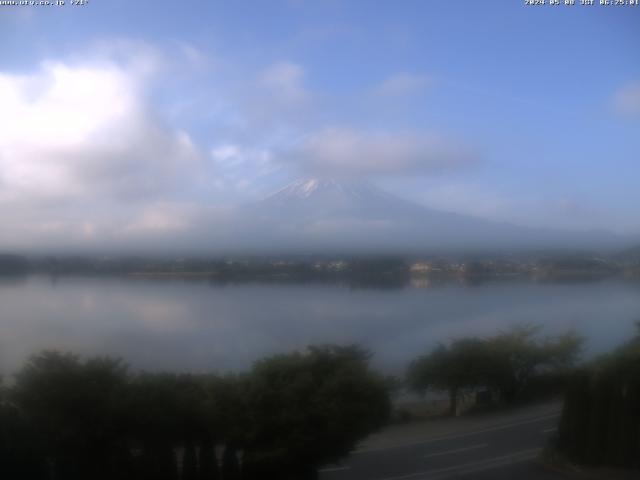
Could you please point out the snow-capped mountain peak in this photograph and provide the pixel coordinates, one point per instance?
(324, 198)
(303, 188)
(308, 188)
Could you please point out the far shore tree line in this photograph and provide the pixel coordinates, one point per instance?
(63, 417)
(356, 270)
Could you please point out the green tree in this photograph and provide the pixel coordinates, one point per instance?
(463, 364)
(165, 412)
(308, 409)
(522, 355)
(74, 408)
(600, 421)
(506, 363)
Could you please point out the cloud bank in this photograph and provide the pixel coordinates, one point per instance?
(348, 152)
(81, 136)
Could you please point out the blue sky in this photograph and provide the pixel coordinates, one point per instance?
(136, 118)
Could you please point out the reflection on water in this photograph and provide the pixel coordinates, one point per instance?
(178, 325)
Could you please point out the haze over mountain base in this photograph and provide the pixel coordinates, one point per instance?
(320, 215)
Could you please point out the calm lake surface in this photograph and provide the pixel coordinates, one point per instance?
(198, 326)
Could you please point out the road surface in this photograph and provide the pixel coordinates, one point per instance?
(495, 446)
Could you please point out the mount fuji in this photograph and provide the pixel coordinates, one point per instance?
(316, 214)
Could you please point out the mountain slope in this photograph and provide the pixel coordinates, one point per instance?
(326, 213)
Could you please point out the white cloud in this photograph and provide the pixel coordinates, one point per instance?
(338, 151)
(239, 168)
(276, 98)
(160, 218)
(285, 80)
(68, 130)
(230, 156)
(468, 199)
(194, 56)
(79, 144)
(626, 101)
(136, 57)
(403, 83)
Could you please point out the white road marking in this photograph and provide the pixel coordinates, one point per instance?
(549, 430)
(487, 464)
(457, 450)
(460, 435)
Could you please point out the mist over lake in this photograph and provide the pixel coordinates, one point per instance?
(178, 325)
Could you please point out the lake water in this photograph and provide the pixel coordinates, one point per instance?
(198, 326)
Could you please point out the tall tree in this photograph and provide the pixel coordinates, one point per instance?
(463, 364)
(311, 408)
(73, 406)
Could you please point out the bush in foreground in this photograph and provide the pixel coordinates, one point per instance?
(69, 418)
(600, 422)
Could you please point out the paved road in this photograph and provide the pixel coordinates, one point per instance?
(488, 447)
